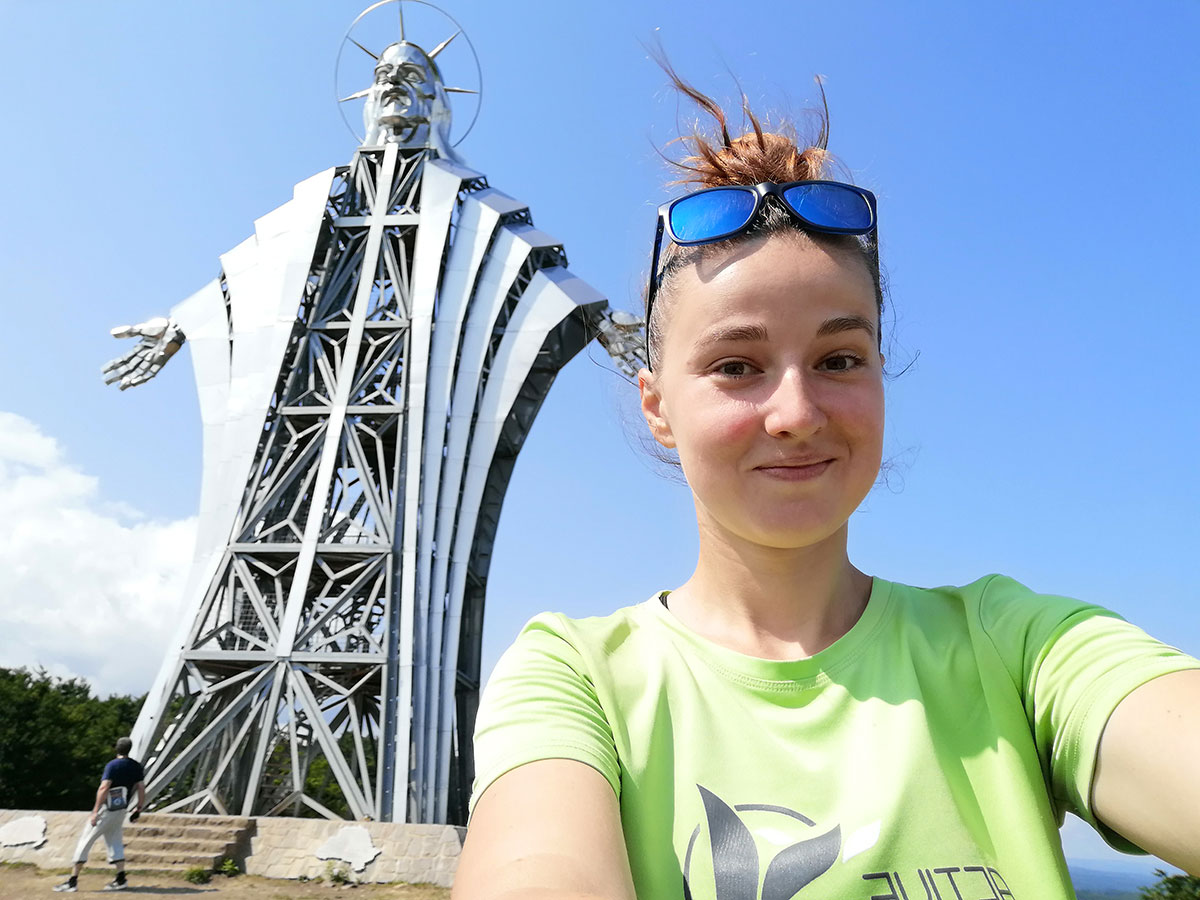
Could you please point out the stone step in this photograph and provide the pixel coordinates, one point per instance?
(174, 842)
(197, 832)
(172, 859)
(222, 845)
(164, 819)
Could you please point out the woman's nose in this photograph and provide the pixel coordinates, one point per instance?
(794, 406)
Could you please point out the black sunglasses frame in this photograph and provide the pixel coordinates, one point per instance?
(761, 191)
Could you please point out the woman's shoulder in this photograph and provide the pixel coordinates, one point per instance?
(602, 635)
(1022, 624)
(995, 599)
(1017, 620)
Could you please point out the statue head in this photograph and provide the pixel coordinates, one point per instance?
(407, 104)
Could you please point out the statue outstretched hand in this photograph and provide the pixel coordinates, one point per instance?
(160, 338)
(623, 335)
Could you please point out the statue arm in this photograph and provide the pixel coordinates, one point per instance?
(159, 339)
(623, 335)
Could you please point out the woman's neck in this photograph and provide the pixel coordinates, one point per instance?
(772, 603)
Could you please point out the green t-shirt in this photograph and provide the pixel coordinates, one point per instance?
(931, 752)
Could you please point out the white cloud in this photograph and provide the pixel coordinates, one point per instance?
(87, 588)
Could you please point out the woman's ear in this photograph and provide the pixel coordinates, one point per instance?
(652, 408)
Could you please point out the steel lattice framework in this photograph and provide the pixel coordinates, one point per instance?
(369, 364)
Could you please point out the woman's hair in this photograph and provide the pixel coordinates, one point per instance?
(755, 156)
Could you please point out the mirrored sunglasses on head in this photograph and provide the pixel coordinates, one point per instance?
(714, 214)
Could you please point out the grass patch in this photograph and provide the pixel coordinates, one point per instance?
(228, 868)
(337, 874)
(198, 875)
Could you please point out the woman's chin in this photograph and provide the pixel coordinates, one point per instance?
(786, 533)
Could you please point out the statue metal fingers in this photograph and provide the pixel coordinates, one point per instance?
(159, 339)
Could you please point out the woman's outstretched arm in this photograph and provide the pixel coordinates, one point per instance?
(547, 830)
(1147, 782)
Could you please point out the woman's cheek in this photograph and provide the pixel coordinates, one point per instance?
(731, 425)
(716, 435)
(859, 410)
(874, 414)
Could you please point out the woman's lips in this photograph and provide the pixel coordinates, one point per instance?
(796, 471)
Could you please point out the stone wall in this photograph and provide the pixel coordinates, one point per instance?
(46, 839)
(291, 848)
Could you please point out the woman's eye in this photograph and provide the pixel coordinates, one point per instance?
(842, 362)
(734, 369)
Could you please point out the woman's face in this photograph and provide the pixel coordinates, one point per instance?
(770, 387)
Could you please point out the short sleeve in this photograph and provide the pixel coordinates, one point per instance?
(1074, 664)
(541, 703)
(107, 775)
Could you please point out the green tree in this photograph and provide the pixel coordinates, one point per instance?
(55, 738)
(1172, 887)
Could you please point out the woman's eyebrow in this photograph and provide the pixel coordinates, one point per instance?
(845, 323)
(735, 333)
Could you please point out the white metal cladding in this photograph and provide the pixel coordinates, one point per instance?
(234, 377)
(205, 319)
(439, 194)
(478, 221)
(369, 365)
(548, 300)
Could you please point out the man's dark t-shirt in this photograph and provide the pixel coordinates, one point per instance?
(123, 773)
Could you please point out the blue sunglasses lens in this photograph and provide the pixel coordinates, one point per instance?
(711, 214)
(830, 206)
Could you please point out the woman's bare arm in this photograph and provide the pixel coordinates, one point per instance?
(1147, 782)
(548, 830)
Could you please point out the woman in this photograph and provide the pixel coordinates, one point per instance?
(783, 719)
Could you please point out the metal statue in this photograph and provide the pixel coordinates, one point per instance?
(407, 103)
(368, 364)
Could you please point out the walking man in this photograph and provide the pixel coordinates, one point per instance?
(121, 776)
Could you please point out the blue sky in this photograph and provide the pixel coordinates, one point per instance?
(1035, 169)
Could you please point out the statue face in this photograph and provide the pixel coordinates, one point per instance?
(401, 100)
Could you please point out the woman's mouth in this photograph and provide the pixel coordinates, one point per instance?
(796, 471)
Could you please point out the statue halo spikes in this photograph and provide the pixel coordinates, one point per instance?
(407, 99)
